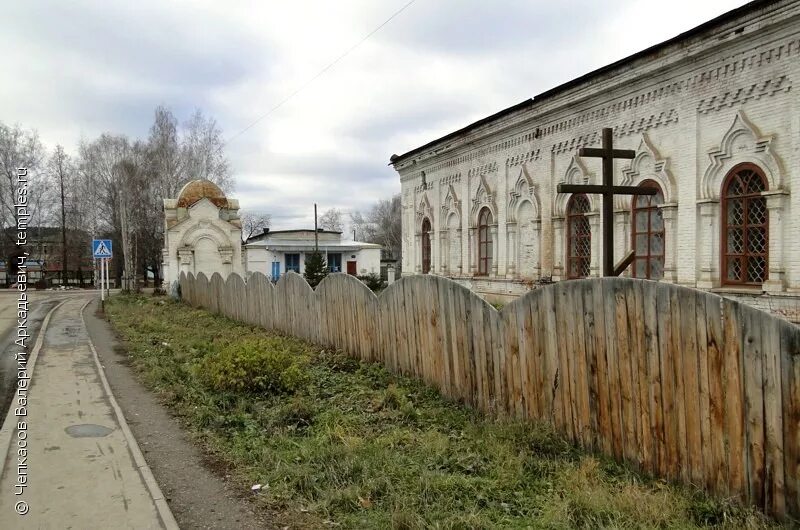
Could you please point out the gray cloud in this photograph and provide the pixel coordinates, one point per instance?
(478, 27)
(80, 68)
(154, 43)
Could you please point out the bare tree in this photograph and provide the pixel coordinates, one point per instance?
(101, 162)
(254, 223)
(386, 217)
(362, 229)
(332, 220)
(203, 149)
(381, 225)
(61, 172)
(167, 163)
(19, 149)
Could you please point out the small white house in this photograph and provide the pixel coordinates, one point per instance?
(274, 253)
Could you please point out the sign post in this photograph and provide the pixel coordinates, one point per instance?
(102, 250)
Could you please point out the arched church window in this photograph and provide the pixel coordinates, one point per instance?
(426, 246)
(484, 242)
(648, 234)
(579, 237)
(745, 226)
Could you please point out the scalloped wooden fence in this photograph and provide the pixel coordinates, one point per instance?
(681, 383)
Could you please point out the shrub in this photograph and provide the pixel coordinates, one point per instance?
(254, 365)
(373, 281)
(297, 413)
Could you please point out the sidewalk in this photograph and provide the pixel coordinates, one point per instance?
(84, 469)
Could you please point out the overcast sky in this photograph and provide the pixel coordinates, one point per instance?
(76, 69)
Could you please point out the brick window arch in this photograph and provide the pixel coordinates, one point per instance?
(426, 246)
(579, 237)
(745, 226)
(484, 242)
(648, 233)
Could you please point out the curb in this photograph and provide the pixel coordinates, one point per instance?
(159, 500)
(7, 432)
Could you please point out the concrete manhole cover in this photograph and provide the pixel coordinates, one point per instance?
(88, 430)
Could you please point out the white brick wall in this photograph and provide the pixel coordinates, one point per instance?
(728, 92)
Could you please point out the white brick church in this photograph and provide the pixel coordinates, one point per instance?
(714, 119)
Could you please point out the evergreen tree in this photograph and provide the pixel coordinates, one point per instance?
(316, 269)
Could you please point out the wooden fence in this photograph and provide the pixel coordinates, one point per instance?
(681, 383)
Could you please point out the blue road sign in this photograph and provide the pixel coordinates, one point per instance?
(101, 248)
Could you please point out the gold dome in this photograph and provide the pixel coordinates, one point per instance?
(199, 189)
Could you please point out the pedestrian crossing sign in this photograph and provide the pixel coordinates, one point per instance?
(101, 248)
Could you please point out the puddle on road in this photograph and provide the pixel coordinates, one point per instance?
(88, 430)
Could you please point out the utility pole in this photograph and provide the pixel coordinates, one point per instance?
(316, 233)
(123, 218)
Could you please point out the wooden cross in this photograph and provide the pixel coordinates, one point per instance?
(608, 190)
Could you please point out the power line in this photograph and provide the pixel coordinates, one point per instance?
(320, 73)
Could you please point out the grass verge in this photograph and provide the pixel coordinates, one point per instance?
(347, 444)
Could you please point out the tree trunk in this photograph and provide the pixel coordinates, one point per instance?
(63, 231)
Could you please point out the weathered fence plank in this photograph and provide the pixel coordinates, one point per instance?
(691, 385)
(790, 398)
(754, 403)
(605, 430)
(706, 473)
(658, 461)
(774, 486)
(734, 398)
(718, 478)
(640, 379)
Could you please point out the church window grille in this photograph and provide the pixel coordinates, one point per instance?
(648, 234)
(745, 227)
(426, 246)
(484, 242)
(579, 237)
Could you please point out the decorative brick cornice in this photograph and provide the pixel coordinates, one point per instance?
(454, 178)
(575, 143)
(643, 124)
(743, 94)
(523, 158)
(483, 170)
(423, 187)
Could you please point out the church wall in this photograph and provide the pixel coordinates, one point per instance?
(678, 114)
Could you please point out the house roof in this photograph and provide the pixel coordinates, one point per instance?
(268, 233)
(594, 74)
